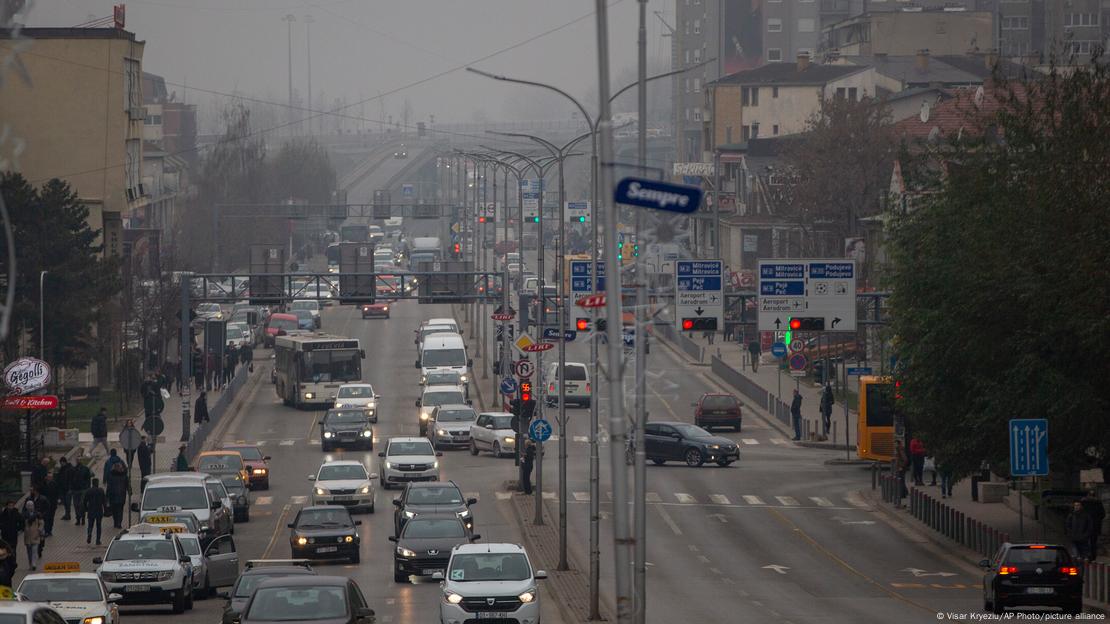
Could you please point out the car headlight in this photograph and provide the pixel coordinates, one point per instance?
(96, 619)
(321, 491)
(435, 464)
(715, 447)
(367, 433)
(309, 395)
(365, 490)
(371, 406)
(410, 514)
(527, 596)
(338, 404)
(462, 378)
(405, 552)
(259, 471)
(510, 440)
(328, 434)
(441, 432)
(165, 575)
(301, 541)
(388, 465)
(453, 598)
(108, 577)
(423, 380)
(349, 539)
(464, 513)
(424, 415)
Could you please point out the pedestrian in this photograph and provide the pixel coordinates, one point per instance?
(246, 354)
(917, 459)
(1079, 528)
(82, 478)
(98, 426)
(709, 336)
(148, 390)
(96, 501)
(755, 350)
(231, 360)
(200, 408)
(117, 487)
(11, 524)
(113, 459)
(730, 331)
(198, 369)
(65, 486)
(50, 495)
(146, 463)
(181, 463)
(526, 465)
(901, 465)
(931, 468)
(210, 372)
(38, 473)
(796, 414)
(946, 479)
(32, 534)
(1092, 504)
(827, 401)
(7, 563)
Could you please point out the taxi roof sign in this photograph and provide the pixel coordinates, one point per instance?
(145, 528)
(60, 567)
(160, 519)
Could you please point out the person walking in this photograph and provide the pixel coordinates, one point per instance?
(109, 464)
(148, 390)
(231, 360)
(181, 463)
(200, 408)
(32, 534)
(709, 336)
(827, 401)
(96, 501)
(755, 350)
(246, 355)
(65, 487)
(7, 563)
(82, 478)
(526, 465)
(11, 524)
(50, 495)
(901, 465)
(796, 414)
(917, 459)
(1092, 504)
(146, 461)
(38, 473)
(117, 488)
(98, 426)
(946, 479)
(1079, 527)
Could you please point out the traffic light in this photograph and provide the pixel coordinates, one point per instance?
(636, 250)
(525, 393)
(532, 220)
(481, 219)
(582, 219)
(458, 250)
(808, 324)
(601, 325)
(699, 324)
(582, 324)
(897, 389)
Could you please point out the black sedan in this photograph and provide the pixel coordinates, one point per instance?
(323, 599)
(253, 574)
(324, 532)
(1032, 575)
(679, 441)
(424, 545)
(432, 497)
(347, 427)
(240, 496)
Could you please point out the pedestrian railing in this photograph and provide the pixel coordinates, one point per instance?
(216, 412)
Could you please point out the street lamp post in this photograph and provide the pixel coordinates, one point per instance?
(42, 316)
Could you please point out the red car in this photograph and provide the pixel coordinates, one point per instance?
(278, 324)
(717, 410)
(380, 310)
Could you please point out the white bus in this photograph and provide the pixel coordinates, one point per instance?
(310, 367)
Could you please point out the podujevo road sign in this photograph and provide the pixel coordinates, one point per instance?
(658, 195)
(1028, 447)
(580, 277)
(819, 292)
(699, 295)
(539, 430)
(508, 386)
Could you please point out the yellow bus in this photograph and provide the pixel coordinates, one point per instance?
(875, 433)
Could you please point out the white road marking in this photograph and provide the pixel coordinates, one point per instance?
(582, 496)
(703, 559)
(264, 500)
(261, 443)
(652, 497)
(287, 442)
(779, 441)
(549, 495)
(750, 441)
(668, 519)
(720, 517)
(781, 569)
(503, 495)
(715, 571)
(390, 601)
(753, 500)
(298, 500)
(684, 498)
(581, 438)
(854, 499)
(719, 499)
(692, 547)
(789, 501)
(821, 501)
(554, 438)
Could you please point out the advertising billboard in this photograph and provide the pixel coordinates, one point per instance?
(742, 35)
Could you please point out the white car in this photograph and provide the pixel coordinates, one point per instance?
(147, 567)
(217, 565)
(409, 459)
(239, 334)
(493, 431)
(311, 305)
(576, 375)
(358, 395)
(12, 612)
(494, 579)
(210, 312)
(449, 425)
(450, 322)
(346, 483)
(79, 597)
(435, 396)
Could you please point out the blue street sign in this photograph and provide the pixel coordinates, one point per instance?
(580, 277)
(508, 386)
(551, 333)
(1028, 447)
(407, 190)
(859, 370)
(657, 195)
(539, 430)
(778, 350)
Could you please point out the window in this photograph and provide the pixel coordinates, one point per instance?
(1018, 22)
(153, 120)
(775, 130)
(687, 85)
(806, 25)
(687, 114)
(134, 161)
(774, 55)
(132, 86)
(1083, 47)
(755, 131)
(697, 114)
(774, 24)
(774, 92)
(687, 57)
(745, 132)
(697, 85)
(1079, 19)
(697, 27)
(852, 94)
(728, 134)
(749, 96)
(697, 55)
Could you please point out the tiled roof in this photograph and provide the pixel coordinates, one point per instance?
(788, 74)
(959, 114)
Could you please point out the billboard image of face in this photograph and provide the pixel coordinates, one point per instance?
(742, 35)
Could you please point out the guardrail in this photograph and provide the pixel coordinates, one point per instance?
(216, 413)
(689, 347)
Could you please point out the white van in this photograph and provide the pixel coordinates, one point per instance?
(443, 352)
(450, 322)
(577, 377)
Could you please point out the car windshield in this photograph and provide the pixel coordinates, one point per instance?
(324, 517)
(331, 365)
(305, 305)
(228, 461)
(248, 582)
(208, 307)
(62, 590)
(489, 567)
(1038, 556)
(574, 372)
(455, 416)
(690, 431)
(502, 422)
(410, 448)
(283, 324)
(443, 377)
(183, 496)
(234, 484)
(434, 496)
(341, 472)
(299, 603)
(356, 392)
(434, 528)
(190, 545)
(250, 452)
(302, 315)
(718, 402)
(124, 550)
(442, 398)
(344, 417)
(237, 328)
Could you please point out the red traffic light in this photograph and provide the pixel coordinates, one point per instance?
(816, 323)
(795, 323)
(525, 391)
(687, 324)
(481, 219)
(699, 324)
(582, 324)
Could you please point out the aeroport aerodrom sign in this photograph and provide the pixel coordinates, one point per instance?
(26, 375)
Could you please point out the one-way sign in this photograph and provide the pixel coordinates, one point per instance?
(1028, 447)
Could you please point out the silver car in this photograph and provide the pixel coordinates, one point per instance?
(489, 581)
(493, 432)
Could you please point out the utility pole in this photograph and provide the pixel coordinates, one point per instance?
(640, 471)
(308, 62)
(289, 19)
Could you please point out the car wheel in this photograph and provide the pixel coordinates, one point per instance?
(657, 461)
(724, 463)
(247, 516)
(179, 601)
(737, 427)
(497, 452)
(370, 509)
(1075, 608)
(694, 458)
(473, 448)
(203, 592)
(988, 606)
(324, 447)
(189, 600)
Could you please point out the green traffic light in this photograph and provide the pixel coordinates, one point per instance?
(581, 219)
(786, 336)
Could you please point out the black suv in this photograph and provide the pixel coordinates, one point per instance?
(347, 427)
(424, 545)
(432, 497)
(1032, 575)
(255, 572)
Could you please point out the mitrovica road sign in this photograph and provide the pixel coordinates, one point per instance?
(657, 195)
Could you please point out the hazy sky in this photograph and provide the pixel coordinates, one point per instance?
(364, 47)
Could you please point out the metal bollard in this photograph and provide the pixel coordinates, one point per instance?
(962, 526)
(874, 475)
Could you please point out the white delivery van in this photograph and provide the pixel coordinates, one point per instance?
(443, 352)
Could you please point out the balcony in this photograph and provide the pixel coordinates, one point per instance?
(835, 6)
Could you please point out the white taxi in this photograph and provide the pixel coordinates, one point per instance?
(79, 597)
(146, 566)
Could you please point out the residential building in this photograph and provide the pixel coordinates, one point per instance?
(894, 74)
(80, 117)
(903, 33)
(169, 133)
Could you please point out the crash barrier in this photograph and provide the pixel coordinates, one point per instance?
(954, 524)
(216, 412)
(688, 346)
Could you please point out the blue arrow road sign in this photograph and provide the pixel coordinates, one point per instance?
(859, 370)
(778, 350)
(657, 195)
(539, 430)
(553, 334)
(1028, 447)
(508, 385)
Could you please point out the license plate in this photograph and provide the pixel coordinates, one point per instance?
(1039, 590)
(327, 549)
(130, 589)
(492, 615)
(343, 498)
(430, 571)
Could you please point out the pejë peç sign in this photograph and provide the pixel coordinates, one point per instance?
(26, 375)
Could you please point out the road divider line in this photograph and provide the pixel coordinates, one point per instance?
(684, 498)
(668, 519)
(821, 501)
(581, 496)
(652, 497)
(750, 441)
(788, 501)
(264, 500)
(273, 536)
